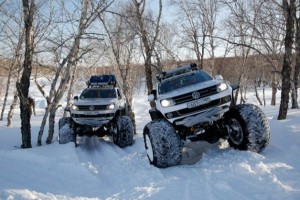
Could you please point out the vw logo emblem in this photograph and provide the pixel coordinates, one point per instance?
(91, 108)
(169, 115)
(196, 95)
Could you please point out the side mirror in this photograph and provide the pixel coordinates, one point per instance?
(219, 77)
(153, 92)
(151, 97)
(235, 86)
(76, 98)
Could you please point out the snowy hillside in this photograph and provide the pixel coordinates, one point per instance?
(98, 169)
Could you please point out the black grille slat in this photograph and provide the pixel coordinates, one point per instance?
(188, 96)
(96, 107)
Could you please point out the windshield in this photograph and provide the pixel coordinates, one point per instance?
(183, 81)
(98, 93)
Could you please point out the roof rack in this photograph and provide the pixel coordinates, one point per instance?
(176, 71)
(102, 81)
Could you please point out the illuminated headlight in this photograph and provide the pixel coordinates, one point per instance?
(167, 102)
(74, 107)
(111, 106)
(221, 87)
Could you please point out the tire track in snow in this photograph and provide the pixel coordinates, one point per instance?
(114, 166)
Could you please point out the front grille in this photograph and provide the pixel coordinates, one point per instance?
(188, 96)
(186, 111)
(96, 107)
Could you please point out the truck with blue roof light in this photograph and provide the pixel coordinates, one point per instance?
(100, 110)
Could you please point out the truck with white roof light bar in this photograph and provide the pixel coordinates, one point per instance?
(191, 105)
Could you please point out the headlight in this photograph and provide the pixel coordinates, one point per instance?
(221, 87)
(111, 106)
(74, 107)
(167, 102)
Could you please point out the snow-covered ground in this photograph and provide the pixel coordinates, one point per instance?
(98, 169)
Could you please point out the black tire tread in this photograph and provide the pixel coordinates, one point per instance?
(165, 142)
(255, 127)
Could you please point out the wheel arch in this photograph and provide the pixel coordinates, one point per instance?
(155, 114)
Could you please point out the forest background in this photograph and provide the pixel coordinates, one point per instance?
(251, 43)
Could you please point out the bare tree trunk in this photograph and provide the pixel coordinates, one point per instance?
(122, 49)
(70, 92)
(71, 61)
(274, 89)
(15, 99)
(264, 95)
(23, 86)
(148, 73)
(148, 46)
(202, 52)
(41, 131)
(289, 10)
(49, 98)
(243, 98)
(294, 95)
(6, 91)
(297, 67)
(12, 67)
(51, 124)
(199, 55)
(240, 80)
(55, 104)
(63, 72)
(256, 94)
(12, 108)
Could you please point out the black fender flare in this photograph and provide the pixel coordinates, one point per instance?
(155, 114)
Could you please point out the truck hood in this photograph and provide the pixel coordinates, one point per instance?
(190, 88)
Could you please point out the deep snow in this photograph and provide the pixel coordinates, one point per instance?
(98, 169)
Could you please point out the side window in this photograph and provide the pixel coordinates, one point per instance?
(119, 94)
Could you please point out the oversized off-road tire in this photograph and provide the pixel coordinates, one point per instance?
(123, 131)
(65, 133)
(248, 128)
(162, 144)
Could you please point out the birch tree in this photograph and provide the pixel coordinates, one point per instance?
(123, 45)
(296, 77)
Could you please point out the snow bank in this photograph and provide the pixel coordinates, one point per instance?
(98, 169)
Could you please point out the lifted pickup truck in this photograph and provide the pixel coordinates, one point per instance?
(190, 105)
(100, 110)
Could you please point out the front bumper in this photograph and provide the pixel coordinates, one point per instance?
(210, 115)
(92, 120)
